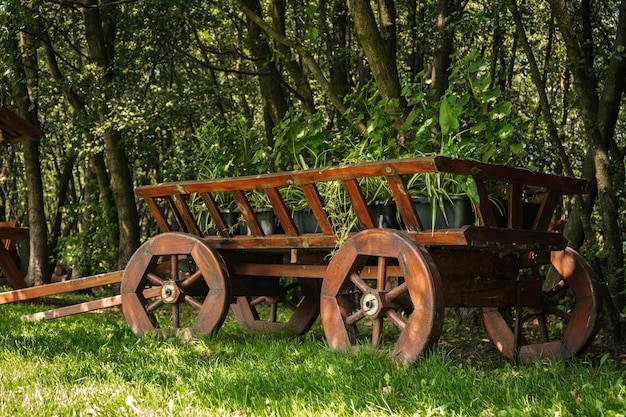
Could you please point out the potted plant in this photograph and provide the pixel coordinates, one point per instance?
(262, 210)
(443, 200)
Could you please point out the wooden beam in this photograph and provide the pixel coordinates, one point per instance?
(86, 306)
(60, 287)
(13, 128)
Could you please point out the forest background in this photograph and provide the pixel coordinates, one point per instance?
(133, 92)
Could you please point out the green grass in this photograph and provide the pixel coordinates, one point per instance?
(93, 365)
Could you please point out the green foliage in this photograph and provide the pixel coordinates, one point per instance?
(88, 252)
(231, 150)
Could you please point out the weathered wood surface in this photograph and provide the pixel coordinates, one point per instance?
(168, 203)
(85, 307)
(60, 287)
(10, 232)
(13, 128)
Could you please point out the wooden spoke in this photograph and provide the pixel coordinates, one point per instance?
(197, 277)
(192, 302)
(396, 319)
(155, 305)
(193, 278)
(356, 308)
(360, 283)
(565, 322)
(294, 309)
(154, 279)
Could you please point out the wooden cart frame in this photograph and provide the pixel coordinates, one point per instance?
(375, 286)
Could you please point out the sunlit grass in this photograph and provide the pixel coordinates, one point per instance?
(92, 364)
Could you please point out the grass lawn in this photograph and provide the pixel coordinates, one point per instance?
(93, 365)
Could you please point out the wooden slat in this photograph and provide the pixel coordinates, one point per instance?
(13, 232)
(60, 287)
(406, 208)
(174, 210)
(312, 195)
(359, 204)
(216, 215)
(248, 213)
(515, 217)
(484, 211)
(302, 271)
(378, 168)
(185, 215)
(546, 210)
(14, 128)
(159, 215)
(85, 307)
(565, 185)
(281, 211)
(518, 240)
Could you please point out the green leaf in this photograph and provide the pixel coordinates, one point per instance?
(501, 110)
(506, 132)
(448, 120)
(517, 149)
(312, 35)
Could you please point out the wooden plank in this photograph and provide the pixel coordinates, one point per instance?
(13, 232)
(248, 213)
(85, 307)
(361, 209)
(484, 209)
(515, 217)
(565, 185)
(546, 210)
(14, 128)
(518, 240)
(406, 166)
(284, 243)
(216, 216)
(60, 287)
(75, 309)
(186, 217)
(158, 214)
(312, 195)
(281, 211)
(406, 208)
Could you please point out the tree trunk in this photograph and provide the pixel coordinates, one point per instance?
(121, 181)
(444, 47)
(599, 123)
(380, 56)
(337, 46)
(293, 67)
(272, 94)
(415, 19)
(25, 67)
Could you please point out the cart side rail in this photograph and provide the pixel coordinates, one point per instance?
(170, 202)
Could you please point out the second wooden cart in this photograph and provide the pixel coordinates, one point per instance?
(379, 285)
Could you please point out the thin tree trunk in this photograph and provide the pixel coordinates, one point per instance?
(25, 67)
(378, 53)
(121, 182)
(293, 67)
(272, 94)
(599, 128)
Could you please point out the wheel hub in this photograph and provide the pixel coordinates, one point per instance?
(373, 303)
(170, 291)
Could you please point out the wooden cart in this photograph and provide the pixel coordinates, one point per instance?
(376, 286)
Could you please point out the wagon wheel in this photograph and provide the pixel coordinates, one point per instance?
(562, 326)
(382, 289)
(293, 310)
(175, 282)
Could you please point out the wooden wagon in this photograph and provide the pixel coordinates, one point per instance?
(382, 285)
